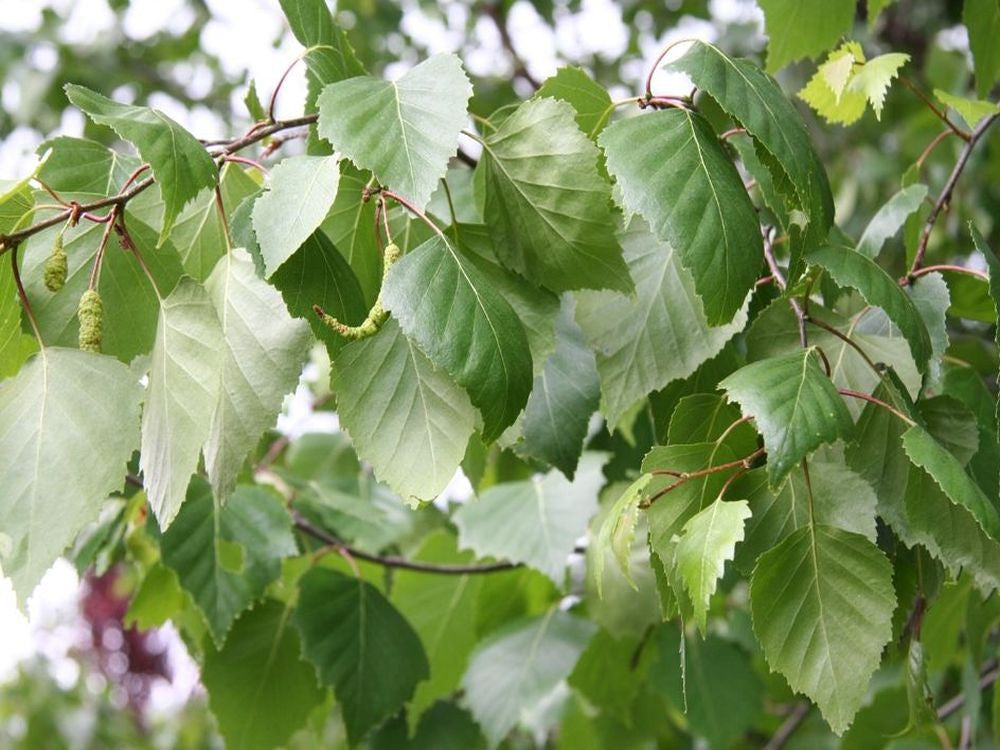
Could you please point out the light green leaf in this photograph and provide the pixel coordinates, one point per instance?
(822, 604)
(302, 189)
(836, 495)
(873, 79)
(971, 110)
(875, 7)
(68, 426)
(442, 609)
(264, 349)
(707, 542)
(535, 522)
(683, 183)
(546, 203)
(850, 268)
(589, 98)
(184, 384)
(361, 647)
(157, 598)
(827, 91)
(794, 404)
(409, 420)
(253, 525)
(927, 453)
(890, 218)
(259, 689)
(404, 131)
(453, 311)
(610, 673)
(617, 533)
(982, 19)
(180, 164)
(931, 297)
(199, 234)
(796, 30)
(516, 668)
(317, 275)
(758, 104)
(563, 398)
(657, 336)
(15, 346)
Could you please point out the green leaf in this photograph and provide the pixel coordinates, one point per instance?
(361, 647)
(409, 420)
(589, 98)
(199, 234)
(850, 268)
(715, 684)
(758, 104)
(795, 406)
(931, 297)
(875, 7)
(706, 417)
(645, 342)
(545, 650)
(302, 189)
(157, 598)
(827, 91)
(444, 727)
(180, 164)
(982, 19)
(442, 610)
(259, 689)
(15, 346)
(890, 218)
(263, 351)
(317, 275)
(349, 225)
(873, 79)
(563, 398)
(184, 384)
(971, 110)
(822, 603)
(131, 306)
(535, 522)
(404, 131)
(546, 203)
(253, 524)
(69, 426)
(707, 542)
(329, 55)
(673, 171)
(455, 314)
(837, 496)
(796, 30)
(83, 170)
(927, 453)
(617, 532)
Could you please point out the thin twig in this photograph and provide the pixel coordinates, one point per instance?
(949, 187)
(990, 673)
(788, 727)
(745, 463)
(878, 402)
(941, 114)
(495, 13)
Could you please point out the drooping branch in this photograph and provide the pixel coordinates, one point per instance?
(495, 13)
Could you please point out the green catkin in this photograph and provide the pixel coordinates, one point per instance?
(376, 316)
(91, 316)
(54, 273)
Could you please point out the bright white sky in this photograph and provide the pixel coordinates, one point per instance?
(241, 35)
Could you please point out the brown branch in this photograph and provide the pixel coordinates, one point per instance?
(990, 673)
(392, 561)
(119, 200)
(686, 476)
(788, 727)
(877, 402)
(949, 187)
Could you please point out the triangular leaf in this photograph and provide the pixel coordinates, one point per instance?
(404, 131)
(68, 426)
(546, 202)
(361, 647)
(683, 183)
(180, 164)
